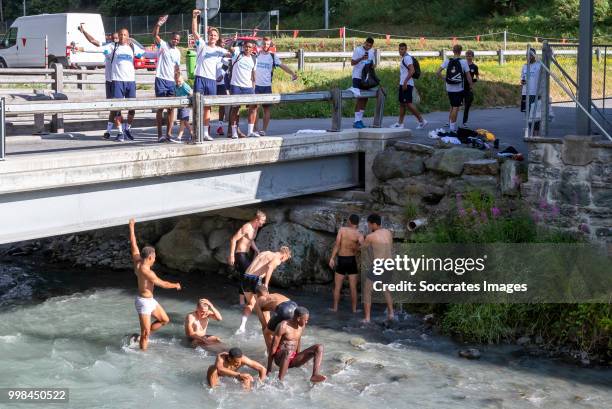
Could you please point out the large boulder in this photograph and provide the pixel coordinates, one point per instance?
(184, 248)
(414, 147)
(427, 188)
(219, 237)
(481, 167)
(391, 164)
(510, 181)
(451, 161)
(468, 183)
(317, 217)
(311, 251)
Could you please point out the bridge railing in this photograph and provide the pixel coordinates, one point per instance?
(57, 108)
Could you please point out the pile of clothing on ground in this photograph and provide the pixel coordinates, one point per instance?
(476, 138)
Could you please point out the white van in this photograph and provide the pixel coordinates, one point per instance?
(24, 43)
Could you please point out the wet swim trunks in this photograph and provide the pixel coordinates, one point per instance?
(242, 263)
(346, 265)
(249, 282)
(145, 305)
(292, 354)
(283, 311)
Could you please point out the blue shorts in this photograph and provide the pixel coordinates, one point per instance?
(263, 89)
(124, 89)
(109, 89)
(357, 83)
(236, 90)
(405, 97)
(205, 86)
(183, 114)
(164, 88)
(221, 90)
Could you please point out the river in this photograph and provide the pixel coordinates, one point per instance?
(66, 327)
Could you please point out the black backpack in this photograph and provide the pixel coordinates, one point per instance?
(454, 72)
(368, 77)
(417, 67)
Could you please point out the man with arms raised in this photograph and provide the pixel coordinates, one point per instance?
(285, 348)
(377, 244)
(242, 242)
(145, 304)
(265, 303)
(228, 363)
(196, 323)
(168, 59)
(346, 248)
(208, 57)
(260, 271)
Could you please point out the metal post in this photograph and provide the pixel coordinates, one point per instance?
(115, 24)
(2, 130)
(603, 93)
(546, 55)
(198, 117)
(527, 104)
(377, 56)
(343, 45)
(379, 111)
(598, 54)
(46, 53)
(585, 66)
(206, 21)
(241, 22)
(81, 76)
(505, 40)
(183, 26)
(300, 57)
(443, 55)
(326, 14)
(57, 120)
(336, 100)
(24, 7)
(147, 22)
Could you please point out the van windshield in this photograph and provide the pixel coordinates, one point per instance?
(10, 38)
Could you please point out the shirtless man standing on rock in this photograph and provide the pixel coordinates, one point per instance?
(265, 304)
(228, 363)
(145, 304)
(285, 349)
(346, 248)
(196, 323)
(259, 272)
(377, 244)
(241, 243)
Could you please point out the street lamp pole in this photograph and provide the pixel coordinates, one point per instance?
(24, 7)
(326, 14)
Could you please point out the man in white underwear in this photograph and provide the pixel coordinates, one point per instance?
(145, 304)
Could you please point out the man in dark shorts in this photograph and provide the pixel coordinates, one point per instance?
(406, 87)
(457, 72)
(285, 348)
(469, 94)
(362, 55)
(241, 243)
(346, 248)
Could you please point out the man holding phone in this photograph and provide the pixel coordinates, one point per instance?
(361, 57)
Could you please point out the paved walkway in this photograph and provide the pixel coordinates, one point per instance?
(506, 123)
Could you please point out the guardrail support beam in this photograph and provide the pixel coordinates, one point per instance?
(2, 130)
(198, 118)
(300, 57)
(336, 102)
(379, 111)
(57, 120)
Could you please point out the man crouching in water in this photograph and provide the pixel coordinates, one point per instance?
(228, 363)
(286, 347)
(145, 304)
(196, 323)
(277, 304)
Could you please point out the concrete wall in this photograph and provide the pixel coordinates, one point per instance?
(570, 184)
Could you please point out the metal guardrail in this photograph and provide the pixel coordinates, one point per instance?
(198, 102)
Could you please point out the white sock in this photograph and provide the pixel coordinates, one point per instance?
(250, 128)
(243, 322)
(357, 116)
(361, 115)
(206, 131)
(109, 127)
(234, 130)
(453, 126)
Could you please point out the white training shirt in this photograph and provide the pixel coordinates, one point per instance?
(243, 66)
(405, 62)
(207, 59)
(466, 70)
(534, 75)
(167, 59)
(122, 60)
(358, 55)
(263, 73)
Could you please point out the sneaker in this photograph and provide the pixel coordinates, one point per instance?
(208, 138)
(220, 130)
(106, 135)
(163, 139)
(358, 125)
(253, 135)
(128, 134)
(422, 125)
(119, 137)
(262, 133)
(464, 125)
(397, 125)
(234, 136)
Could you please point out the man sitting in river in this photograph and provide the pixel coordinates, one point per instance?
(228, 363)
(145, 304)
(260, 272)
(286, 347)
(196, 323)
(265, 303)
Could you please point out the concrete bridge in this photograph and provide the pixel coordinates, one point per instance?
(51, 193)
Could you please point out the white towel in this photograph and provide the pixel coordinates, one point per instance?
(317, 131)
